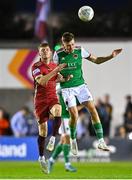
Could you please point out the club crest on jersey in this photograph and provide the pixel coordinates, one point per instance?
(75, 56)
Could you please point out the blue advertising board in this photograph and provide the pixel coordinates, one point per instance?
(12, 148)
(25, 149)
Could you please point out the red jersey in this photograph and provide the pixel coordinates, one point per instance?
(47, 92)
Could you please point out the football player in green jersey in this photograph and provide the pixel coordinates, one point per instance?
(76, 87)
(64, 143)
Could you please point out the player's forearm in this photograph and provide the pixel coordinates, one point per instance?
(43, 80)
(100, 60)
(62, 80)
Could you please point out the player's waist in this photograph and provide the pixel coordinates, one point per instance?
(45, 100)
(72, 84)
(40, 96)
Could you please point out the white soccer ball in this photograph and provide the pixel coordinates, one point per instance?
(86, 13)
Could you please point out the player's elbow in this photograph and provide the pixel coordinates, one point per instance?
(97, 62)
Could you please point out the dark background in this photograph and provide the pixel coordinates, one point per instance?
(112, 19)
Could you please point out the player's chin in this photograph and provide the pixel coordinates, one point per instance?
(70, 51)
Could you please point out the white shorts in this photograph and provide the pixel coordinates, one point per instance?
(64, 128)
(81, 92)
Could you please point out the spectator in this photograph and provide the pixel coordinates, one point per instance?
(19, 123)
(81, 123)
(104, 117)
(128, 105)
(4, 122)
(109, 110)
(32, 125)
(120, 132)
(128, 122)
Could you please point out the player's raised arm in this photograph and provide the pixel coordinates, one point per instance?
(43, 79)
(100, 60)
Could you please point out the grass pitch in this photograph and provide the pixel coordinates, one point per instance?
(31, 170)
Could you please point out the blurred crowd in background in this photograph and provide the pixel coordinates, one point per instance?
(21, 21)
(23, 122)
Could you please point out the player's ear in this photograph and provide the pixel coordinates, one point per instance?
(62, 44)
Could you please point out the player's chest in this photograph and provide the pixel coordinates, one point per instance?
(73, 62)
(71, 59)
(46, 69)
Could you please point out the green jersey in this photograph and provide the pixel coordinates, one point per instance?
(74, 65)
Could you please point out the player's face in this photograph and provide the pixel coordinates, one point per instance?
(69, 46)
(45, 52)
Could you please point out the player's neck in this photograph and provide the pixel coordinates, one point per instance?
(68, 51)
(45, 60)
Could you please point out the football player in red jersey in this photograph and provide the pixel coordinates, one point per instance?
(45, 74)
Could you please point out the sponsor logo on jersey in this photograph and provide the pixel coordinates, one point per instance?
(71, 66)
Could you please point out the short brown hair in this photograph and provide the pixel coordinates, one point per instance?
(45, 44)
(67, 37)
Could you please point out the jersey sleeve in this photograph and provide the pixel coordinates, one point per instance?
(55, 58)
(35, 71)
(84, 53)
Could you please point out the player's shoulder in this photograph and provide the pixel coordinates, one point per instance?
(78, 47)
(53, 64)
(37, 64)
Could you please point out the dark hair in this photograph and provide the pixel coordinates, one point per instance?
(67, 37)
(26, 109)
(43, 45)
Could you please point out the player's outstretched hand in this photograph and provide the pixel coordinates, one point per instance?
(116, 52)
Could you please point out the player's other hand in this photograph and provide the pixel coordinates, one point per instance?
(69, 77)
(116, 52)
(59, 78)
